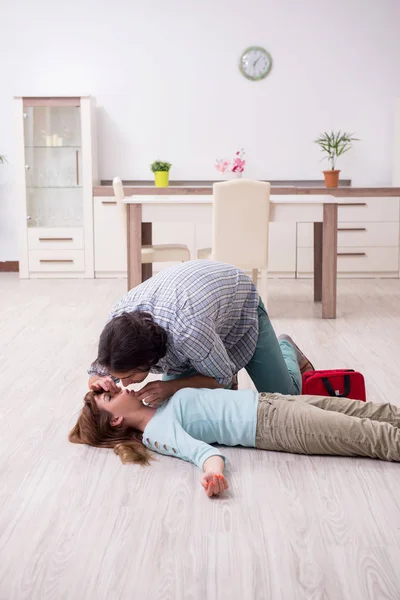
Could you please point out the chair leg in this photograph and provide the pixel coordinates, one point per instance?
(254, 276)
(264, 287)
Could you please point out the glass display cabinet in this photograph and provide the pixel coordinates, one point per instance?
(56, 174)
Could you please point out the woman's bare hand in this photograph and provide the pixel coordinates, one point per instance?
(213, 483)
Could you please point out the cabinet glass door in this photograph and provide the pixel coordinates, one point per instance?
(53, 159)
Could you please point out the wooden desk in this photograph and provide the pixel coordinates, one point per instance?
(276, 190)
(193, 203)
(197, 208)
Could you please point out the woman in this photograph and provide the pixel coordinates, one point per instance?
(192, 419)
(198, 323)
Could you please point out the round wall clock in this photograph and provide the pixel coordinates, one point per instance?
(255, 63)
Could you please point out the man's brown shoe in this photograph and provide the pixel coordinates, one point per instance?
(304, 364)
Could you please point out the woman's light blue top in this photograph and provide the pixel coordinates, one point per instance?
(192, 419)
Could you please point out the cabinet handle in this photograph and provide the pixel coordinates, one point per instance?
(77, 167)
(351, 254)
(61, 260)
(109, 202)
(352, 204)
(352, 229)
(54, 239)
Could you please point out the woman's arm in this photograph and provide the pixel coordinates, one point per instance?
(213, 480)
(179, 443)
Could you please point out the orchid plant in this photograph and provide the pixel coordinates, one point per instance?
(239, 162)
(222, 165)
(235, 166)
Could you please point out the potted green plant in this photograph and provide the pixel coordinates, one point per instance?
(161, 173)
(334, 144)
(2, 159)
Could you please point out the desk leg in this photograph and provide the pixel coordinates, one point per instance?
(134, 244)
(329, 261)
(147, 240)
(317, 262)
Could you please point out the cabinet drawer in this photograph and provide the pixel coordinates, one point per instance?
(55, 238)
(354, 260)
(354, 235)
(45, 261)
(368, 209)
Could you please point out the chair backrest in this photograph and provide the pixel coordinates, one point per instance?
(240, 223)
(118, 189)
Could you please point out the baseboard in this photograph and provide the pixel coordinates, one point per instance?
(9, 266)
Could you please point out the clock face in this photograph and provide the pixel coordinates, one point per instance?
(255, 63)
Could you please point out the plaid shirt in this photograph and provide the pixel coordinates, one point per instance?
(209, 311)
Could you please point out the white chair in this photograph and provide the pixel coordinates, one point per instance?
(240, 227)
(155, 252)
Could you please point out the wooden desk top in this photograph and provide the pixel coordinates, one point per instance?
(206, 190)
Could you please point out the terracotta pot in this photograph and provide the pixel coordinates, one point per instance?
(331, 178)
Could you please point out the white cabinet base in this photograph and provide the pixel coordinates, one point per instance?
(368, 235)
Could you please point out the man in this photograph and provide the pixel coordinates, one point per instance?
(198, 324)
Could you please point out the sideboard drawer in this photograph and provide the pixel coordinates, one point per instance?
(44, 261)
(55, 238)
(354, 260)
(368, 209)
(354, 235)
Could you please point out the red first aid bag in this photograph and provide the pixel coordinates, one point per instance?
(342, 383)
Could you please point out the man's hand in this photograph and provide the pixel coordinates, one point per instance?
(213, 483)
(156, 392)
(106, 384)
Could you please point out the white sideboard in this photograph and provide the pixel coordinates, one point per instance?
(368, 239)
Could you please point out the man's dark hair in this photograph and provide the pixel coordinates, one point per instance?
(131, 341)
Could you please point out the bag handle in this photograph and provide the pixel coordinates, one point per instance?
(331, 391)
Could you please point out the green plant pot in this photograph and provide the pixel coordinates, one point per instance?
(161, 178)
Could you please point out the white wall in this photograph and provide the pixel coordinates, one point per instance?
(166, 79)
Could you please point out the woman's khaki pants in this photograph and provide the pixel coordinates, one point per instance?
(335, 426)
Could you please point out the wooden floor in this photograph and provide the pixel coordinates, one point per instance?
(75, 524)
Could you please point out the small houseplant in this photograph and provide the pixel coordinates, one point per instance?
(161, 172)
(334, 144)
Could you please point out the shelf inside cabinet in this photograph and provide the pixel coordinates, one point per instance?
(53, 187)
(55, 147)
